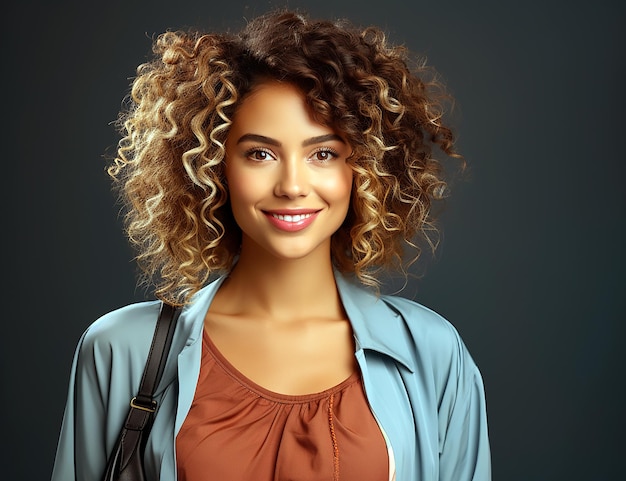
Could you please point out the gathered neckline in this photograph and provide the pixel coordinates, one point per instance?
(268, 394)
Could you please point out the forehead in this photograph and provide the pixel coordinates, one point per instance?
(275, 105)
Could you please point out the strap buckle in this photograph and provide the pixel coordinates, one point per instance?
(150, 409)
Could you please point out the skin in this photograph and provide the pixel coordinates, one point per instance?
(278, 318)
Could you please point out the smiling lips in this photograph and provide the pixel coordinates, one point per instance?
(291, 221)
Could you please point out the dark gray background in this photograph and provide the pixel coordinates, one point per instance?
(531, 266)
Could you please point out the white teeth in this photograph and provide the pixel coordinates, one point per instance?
(291, 218)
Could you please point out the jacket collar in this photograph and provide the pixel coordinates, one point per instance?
(376, 325)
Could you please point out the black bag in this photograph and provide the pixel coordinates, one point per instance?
(126, 460)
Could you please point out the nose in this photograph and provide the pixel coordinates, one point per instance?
(293, 179)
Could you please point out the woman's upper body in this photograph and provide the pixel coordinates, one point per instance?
(422, 385)
(286, 156)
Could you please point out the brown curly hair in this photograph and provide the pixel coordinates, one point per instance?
(169, 164)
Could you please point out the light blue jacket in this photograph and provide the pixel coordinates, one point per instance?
(422, 385)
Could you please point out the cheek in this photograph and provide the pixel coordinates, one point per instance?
(338, 188)
(242, 189)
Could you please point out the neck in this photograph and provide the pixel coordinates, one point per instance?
(284, 289)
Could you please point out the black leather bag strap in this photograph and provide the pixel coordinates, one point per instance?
(161, 342)
(125, 462)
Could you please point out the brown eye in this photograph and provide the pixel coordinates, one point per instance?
(259, 155)
(324, 155)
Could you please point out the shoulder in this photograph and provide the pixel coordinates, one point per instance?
(123, 334)
(401, 328)
(425, 328)
(388, 318)
(124, 325)
(433, 340)
(422, 323)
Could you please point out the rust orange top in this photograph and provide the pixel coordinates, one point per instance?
(238, 430)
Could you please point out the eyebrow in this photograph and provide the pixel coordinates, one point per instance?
(276, 143)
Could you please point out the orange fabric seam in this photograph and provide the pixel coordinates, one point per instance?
(333, 437)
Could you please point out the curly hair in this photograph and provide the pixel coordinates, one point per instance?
(169, 165)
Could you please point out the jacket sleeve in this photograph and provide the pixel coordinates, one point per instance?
(81, 448)
(106, 370)
(464, 453)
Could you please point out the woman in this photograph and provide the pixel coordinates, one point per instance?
(293, 161)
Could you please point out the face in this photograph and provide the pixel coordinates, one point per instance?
(288, 178)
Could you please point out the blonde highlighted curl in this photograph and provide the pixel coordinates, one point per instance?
(169, 164)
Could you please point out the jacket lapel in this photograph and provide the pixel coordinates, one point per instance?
(376, 325)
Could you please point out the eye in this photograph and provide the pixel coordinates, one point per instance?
(259, 155)
(324, 155)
